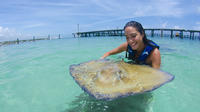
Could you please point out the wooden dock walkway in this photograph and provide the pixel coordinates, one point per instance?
(149, 31)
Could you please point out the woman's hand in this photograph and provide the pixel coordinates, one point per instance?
(105, 55)
(117, 50)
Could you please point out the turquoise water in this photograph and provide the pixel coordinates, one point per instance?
(34, 77)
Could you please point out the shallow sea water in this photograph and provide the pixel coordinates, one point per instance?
(34, 77)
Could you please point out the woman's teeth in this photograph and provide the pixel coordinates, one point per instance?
(133, 44)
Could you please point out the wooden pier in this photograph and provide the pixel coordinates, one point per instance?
(33, 39)
(163, 32)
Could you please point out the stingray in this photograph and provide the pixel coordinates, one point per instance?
(108, 79)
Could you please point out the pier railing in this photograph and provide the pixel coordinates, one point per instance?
(162, 32)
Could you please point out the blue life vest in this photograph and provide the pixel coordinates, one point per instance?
(143, 56)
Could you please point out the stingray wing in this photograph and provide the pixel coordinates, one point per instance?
(106, 79)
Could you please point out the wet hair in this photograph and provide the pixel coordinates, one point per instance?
(138, 27)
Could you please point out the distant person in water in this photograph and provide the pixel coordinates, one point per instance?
(138, 48)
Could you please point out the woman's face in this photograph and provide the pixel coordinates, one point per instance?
(133, 37)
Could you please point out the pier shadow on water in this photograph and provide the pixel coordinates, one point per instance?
(135, 103)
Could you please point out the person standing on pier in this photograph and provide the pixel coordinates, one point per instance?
(138, 48)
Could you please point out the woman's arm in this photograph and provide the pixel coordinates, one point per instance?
(119, 49)
(155, 59)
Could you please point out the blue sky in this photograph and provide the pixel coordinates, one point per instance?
(25, 18)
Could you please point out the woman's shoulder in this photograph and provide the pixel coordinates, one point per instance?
(155, 53)
(155, 58)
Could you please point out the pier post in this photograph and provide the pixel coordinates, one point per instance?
(50, 38)
(171, 33)
(152, 33)
(59, 36)
(199, 35)
(33, 38)
(193, 35)
(78, 29)
(17, 40)
(181, 34)
(161, 33)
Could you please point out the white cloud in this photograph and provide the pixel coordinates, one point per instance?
(102, 4)
(177, 27)
(198, 23)
(8, 34)
(198, 9)
(197, 26)
(164, 25)
(141, 8)
(34, 25)
(134, 8)
(105, 21)
(165, 8)
(59, 4)
(36, 3)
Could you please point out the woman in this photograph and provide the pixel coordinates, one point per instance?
(138, 48)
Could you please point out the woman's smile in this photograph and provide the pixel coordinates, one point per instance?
(133, 44)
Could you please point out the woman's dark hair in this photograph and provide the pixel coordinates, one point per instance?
(139, 28)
